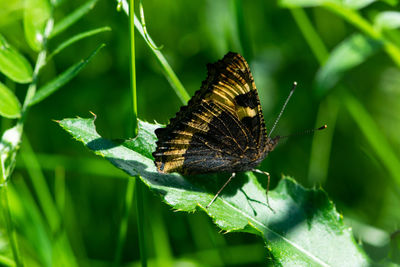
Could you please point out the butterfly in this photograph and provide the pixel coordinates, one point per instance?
(221, 129)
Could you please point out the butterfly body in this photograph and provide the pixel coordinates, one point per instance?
(222, 128)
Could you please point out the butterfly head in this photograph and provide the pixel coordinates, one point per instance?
(272, 142)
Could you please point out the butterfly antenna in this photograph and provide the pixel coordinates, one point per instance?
(305, 132)
(283, 108)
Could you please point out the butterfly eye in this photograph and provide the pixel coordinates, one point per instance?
(272, 142)
(276, 139)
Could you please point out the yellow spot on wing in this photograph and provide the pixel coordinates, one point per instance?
(246, 112)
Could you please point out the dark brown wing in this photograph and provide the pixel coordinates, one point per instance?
(222, 127)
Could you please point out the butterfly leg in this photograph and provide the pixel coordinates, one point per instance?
(269, 178)
(220, 190)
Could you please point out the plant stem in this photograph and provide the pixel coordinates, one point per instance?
(139, 193)
(133, 66)
(140, 221)
(124, 222)
(168, 72)
(40, 62)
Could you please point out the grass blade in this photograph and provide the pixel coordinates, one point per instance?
(62, 79)
(73, 17)
(40, 186)
(168, 72)
(140, 220)
(77, 38)
(129, 193)
(161, 243)
(32, 227)
(348, 54)
(374, 136)
(5, 204)
(351, 15)
(322, 143)
(310, 34)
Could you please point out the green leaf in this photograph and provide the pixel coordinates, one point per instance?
(62, 79)
(301, 3)
(13, 64)
(357, 4)
(77, 38)
(387, 20)
(348, 54)
(391, 2)
(9, 146)
(303, 230)
(36, 14)
(73, 17)
(6, 261)
(9, 104)
(350, 4)
(10, 12)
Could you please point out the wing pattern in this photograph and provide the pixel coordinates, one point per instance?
(222, 128)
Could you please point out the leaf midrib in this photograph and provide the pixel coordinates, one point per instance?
(266, 228)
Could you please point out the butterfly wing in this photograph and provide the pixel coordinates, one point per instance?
(222, 127)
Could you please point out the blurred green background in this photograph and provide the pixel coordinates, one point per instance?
(89, 193)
